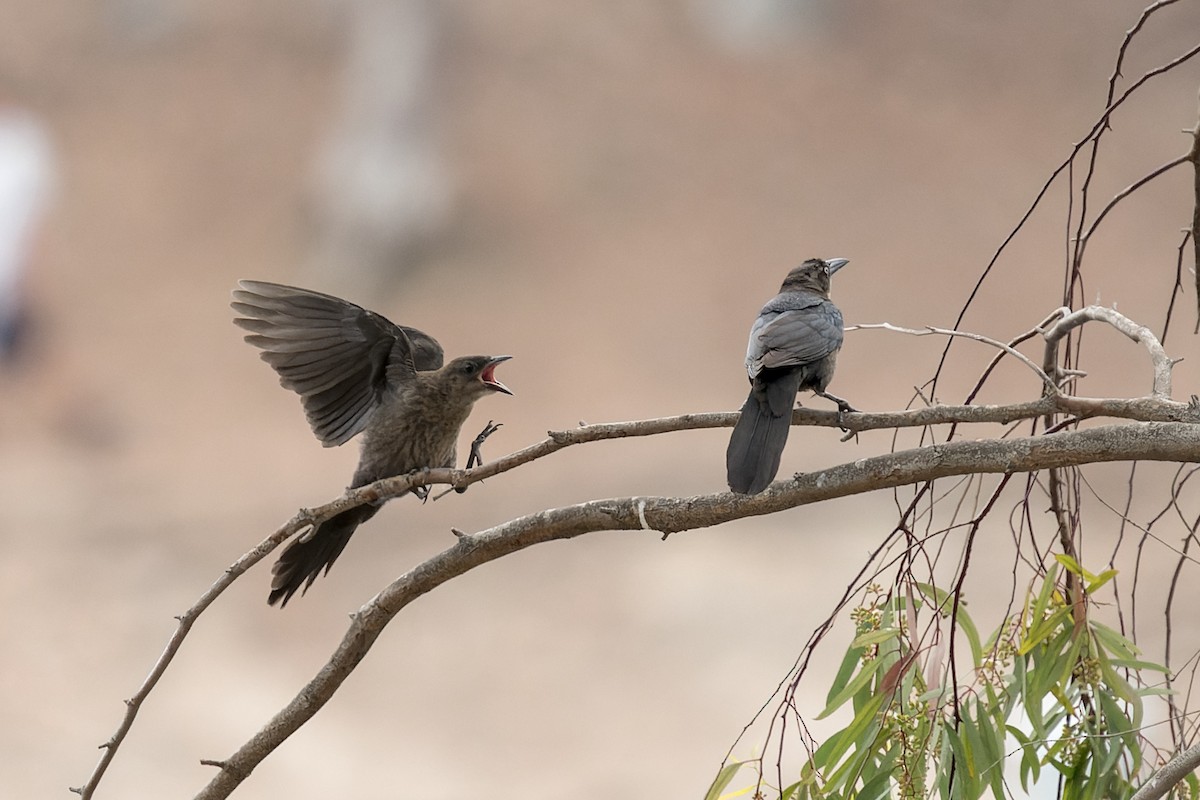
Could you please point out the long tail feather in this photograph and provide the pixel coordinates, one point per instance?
(304, 560)
(756, 445)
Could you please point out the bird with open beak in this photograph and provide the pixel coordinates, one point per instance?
(356, 372)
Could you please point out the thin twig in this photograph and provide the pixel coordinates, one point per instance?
(1100, 124)
(1194, 157)
(185, 622)
(1121, 195)
(1177, 289)
(929, 329)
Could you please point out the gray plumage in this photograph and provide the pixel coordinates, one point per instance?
(793, 346)
(356, 372)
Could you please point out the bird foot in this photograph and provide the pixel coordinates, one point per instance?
(476, 456)
(843, 409)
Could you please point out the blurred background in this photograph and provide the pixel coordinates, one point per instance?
(607, 191)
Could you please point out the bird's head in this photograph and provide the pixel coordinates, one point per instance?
(476, 375)
(813, 275)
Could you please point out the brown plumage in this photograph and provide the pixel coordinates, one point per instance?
(356, 372)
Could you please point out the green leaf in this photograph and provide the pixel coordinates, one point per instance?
(1072, 565)
(860, 680)
(976, 755)
(797, 791)
(1113, 641)
(945, 755)
(1031, 762)
(939, 596)
(1067, 662)
(1120, 726)
(1043, 630)
(967, 626)
(966, 781)
(850, 662)
(722, 780)
(992, 739)
(1120, 745)
(1031, 697)
(1121, 688)
(1138, 666)
(836, 746)
(1042, 602)
(878, 787)
(1099, 580)
(875, 637)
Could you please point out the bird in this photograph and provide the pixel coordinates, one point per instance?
(358, 373)
(794, 345)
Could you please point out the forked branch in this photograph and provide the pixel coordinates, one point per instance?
(1170, 441)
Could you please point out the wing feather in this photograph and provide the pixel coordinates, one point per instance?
(794, 330)
(339, 357)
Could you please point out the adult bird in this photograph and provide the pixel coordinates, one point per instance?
(356, 372)
(794, 345)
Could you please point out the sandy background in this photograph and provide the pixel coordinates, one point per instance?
(629, 187)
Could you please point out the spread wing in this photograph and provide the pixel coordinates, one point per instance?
(797, 330)
(339, 357)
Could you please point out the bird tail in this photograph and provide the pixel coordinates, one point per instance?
(303, 560)
(756, 446)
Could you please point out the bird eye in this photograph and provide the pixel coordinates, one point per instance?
(468, 368)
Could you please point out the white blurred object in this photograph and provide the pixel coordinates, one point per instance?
(27, 178)
(381, 189)
(744, 26)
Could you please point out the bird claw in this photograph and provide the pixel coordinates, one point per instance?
(476, 456)
(844, 408)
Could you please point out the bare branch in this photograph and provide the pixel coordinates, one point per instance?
(1129, 34)
(1177, 289)
(1171, 774)
(1121, 195)
(1144, 409)
(1138, 333)
(973, 336)
(186, 620)
(1141, 442)
(1194, 157)
(1099, 126)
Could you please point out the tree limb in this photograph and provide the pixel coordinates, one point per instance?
(1172, 773)
(1170, 441)
(1142, 409)
(1138, 333)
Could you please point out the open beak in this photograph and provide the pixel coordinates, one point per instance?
(836, 263)
(488, 376)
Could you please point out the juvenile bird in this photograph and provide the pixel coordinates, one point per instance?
(793, 345)
(356, 372)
